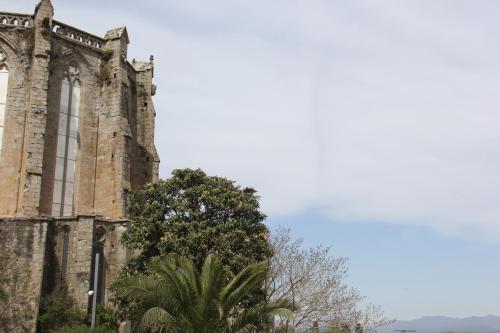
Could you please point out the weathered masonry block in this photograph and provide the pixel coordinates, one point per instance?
(22, 252)
(76, 140)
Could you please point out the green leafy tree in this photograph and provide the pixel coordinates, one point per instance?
(194, 215)
(175, 297)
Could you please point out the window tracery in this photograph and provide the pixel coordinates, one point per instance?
(67, 144)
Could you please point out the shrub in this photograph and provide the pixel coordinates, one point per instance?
(84, 329)
(106, 317)
(59, 310)
(60, 314)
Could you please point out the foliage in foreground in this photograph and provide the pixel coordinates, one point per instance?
(59, 314)
(59, 310)
(177, 298)
(84, 329)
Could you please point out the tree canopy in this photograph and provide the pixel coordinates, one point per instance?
(194, 215)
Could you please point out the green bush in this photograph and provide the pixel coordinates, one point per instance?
(59, 310)
(59, 314)
(84, 329)
(106, 317)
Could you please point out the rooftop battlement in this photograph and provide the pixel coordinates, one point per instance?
(59, 29)
(65, 31)
(73, 34)
(15, 20)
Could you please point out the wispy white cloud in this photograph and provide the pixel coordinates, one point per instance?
(368, 110)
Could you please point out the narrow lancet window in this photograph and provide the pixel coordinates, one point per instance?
(64, 257)
(4, 80)
(67, 145)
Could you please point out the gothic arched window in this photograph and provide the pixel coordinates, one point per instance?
(67, 144)
(4, 80)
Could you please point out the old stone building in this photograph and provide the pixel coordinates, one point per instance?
(76, 139)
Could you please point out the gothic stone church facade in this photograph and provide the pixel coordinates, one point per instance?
(76, 140)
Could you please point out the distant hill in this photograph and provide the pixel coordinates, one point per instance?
(438, 324)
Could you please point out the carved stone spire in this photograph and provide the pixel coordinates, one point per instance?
(44, 9)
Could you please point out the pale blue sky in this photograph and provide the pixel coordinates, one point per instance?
(370, 126)
(411, 271)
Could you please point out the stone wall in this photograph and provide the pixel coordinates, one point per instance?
(18, 46)
(45, 254)
(22, 252)
(34, 140)
(72, 259)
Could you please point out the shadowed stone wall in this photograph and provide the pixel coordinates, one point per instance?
(22, 251)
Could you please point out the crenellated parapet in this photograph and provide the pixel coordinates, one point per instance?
(73, 34)
(58, 29)
(16, 20)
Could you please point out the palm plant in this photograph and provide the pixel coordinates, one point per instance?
(176, 298)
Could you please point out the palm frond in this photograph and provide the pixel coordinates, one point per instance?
(244, 284)
(258, 314)
(154, 319)
(176, 298)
